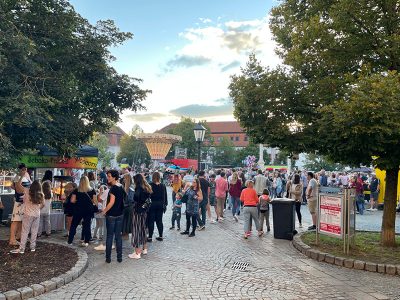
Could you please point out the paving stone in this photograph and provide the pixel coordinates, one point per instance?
(379, 296)
(314, 254)
(390, 269)
(359, 265)
(26, 292)
(2, 296)
(321, 256)
(12, 295)
(348, 263)
(38, 289)
(49, 285)
(371, 267)
(381, 268)
(59, 281)
(339, 261)
(398, 269)
(330, 259)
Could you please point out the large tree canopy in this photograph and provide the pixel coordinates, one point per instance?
(56, 84)
(337, 91)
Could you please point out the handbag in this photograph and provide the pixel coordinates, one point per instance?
(95, 208)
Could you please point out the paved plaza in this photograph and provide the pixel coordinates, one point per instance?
(202, 268)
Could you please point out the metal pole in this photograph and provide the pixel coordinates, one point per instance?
(198, 156)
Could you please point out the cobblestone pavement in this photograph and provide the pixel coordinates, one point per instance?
(201, 268)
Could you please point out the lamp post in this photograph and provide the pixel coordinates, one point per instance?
(199, 132)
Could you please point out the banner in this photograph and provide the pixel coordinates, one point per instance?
(36, 161)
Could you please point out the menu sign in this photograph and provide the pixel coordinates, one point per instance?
(330, 218)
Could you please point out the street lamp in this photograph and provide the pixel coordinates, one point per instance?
(199, 132)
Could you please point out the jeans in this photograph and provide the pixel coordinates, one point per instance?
(176, 216)
(235, 205)
(86, 230)
(191, 218)
(155, 215)
(264, 215)
(304, 194)
(114, 228)
(298, 212)
(203, 210)
(360, 204)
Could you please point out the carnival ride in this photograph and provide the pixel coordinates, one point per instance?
(158, 144)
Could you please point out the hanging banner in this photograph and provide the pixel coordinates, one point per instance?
(331, 215)
(36, 161)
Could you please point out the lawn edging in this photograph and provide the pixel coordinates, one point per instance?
(34, 290)
(342, 261)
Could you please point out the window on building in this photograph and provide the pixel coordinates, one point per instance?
(231, 138)
(237, 139)
(246, 138)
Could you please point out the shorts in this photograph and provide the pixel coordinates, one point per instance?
(18, 212)
(212, 201)
(374, 195)
(312, 205)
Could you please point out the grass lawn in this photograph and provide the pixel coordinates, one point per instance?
(367, 247)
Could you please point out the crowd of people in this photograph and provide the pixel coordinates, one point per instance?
(127, 204)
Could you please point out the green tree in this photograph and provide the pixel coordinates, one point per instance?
(335, 54)
(224, 152)
(316, 162)
(133, 149)
(100, 141)
(185, 129)
(57, 86)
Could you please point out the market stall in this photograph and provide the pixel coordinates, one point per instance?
(85, 158)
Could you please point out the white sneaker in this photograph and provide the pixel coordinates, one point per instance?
(84, 244)
(144, 252)
(236, 218)
(213, 221)
(220, 219)
(100, 247)
(134, 255)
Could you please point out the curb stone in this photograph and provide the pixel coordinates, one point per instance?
(26, 292)
(12, 295)
(52, 284)
(342, 261)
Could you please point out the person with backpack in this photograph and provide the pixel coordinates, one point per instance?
(114, 215)
(296, 193)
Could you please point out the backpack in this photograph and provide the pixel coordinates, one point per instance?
(296, 191)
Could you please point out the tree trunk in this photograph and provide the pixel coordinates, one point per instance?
(389, 209)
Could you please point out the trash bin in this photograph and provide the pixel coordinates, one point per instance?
(283, 212)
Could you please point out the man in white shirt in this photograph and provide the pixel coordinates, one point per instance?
(260, 183)
(312, 194)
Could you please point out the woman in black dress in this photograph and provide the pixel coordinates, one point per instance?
(140, 208)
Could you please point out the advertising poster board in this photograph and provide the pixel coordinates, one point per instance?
(331, 215)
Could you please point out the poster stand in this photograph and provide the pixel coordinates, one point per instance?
(336, 215)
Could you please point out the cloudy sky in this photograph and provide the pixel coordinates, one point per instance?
(185, 51)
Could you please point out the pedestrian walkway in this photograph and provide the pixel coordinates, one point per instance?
(203, 267)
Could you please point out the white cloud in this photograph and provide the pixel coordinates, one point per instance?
(199, 72)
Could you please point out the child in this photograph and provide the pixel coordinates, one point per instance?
(176, 211)
(44, 223)
(101, 199)
(33, 202)
(264, 210)
(212, 199)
